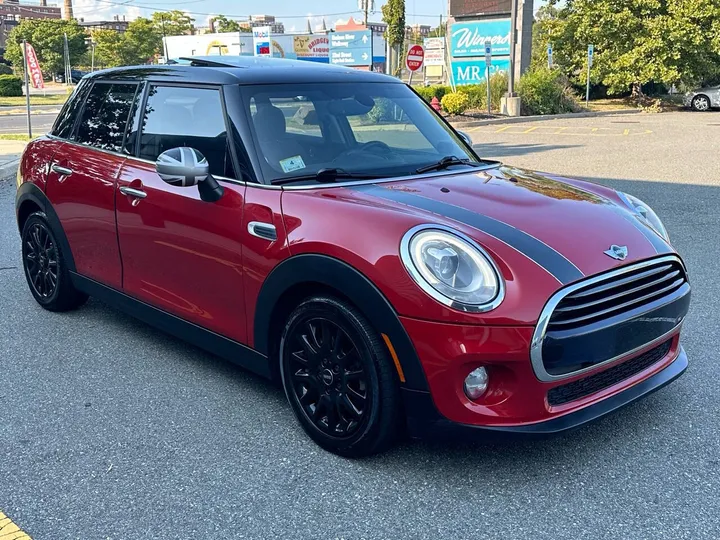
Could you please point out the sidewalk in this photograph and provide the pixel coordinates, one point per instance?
(10, 152)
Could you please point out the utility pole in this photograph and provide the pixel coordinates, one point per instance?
(162, 24)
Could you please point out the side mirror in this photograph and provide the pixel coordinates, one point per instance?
(185, 167)
(465, 137)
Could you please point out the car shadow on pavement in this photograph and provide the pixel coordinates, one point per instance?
(507, 150)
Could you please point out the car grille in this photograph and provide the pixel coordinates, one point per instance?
(616, 295)
(595, 383)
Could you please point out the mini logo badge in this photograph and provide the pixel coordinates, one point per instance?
(617, 252)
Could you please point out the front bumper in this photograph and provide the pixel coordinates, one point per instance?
(516, 400)
(426, 422)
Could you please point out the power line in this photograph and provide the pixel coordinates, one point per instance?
(129, 3)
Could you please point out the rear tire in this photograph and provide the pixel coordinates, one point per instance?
(338, 378)
(45, 269)
(701, 103)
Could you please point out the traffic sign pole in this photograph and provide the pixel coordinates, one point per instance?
(414, 59)
(550, 56)
(488, 63)
(591, 52)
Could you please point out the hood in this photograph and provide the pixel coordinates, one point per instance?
(564, 226)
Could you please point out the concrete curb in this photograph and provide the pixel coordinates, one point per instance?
(8, 168)
(522, 119)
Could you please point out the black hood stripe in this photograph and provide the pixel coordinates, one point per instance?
(539, 252)
(660, 246)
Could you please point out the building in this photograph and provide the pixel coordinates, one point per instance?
(267, 20)
(420, 31)
(118, 24)
(13, 11)
(377, 27)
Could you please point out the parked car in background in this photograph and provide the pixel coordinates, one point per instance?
(326, 228)
(75, 73)
(703, 99)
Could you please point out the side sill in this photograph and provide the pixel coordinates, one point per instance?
(216, 344)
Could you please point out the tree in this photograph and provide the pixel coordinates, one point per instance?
(637, 41)
(137, 45)
(438, 31)
(223, 24)
(46, 36)
(107, 48)
(393, 13)
(173, 23)
(141, 42)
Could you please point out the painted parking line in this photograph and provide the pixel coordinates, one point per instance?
(10, 531)
(572, 131)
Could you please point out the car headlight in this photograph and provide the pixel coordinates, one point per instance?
(645, 213)
(452, 268)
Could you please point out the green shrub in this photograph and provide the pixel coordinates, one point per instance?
(455, 103)
(11, 86)
(5, 69)
(429, 92)
(498, 88)
(545, 91)
(476, 94)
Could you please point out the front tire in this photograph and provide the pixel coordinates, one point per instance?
(45, 269)
(338, 378)
(701, 103)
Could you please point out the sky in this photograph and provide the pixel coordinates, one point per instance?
(292, 13)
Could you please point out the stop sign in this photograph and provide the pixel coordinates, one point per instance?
(415, 57)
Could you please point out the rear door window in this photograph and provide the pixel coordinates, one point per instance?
(65, 122)
(105, 116)
(178, 116)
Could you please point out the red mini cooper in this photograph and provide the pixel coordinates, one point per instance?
(324, 227)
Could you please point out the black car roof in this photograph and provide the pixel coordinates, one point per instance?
(243, 70)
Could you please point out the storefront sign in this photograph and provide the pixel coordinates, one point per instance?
(473, 71)
(468, 38)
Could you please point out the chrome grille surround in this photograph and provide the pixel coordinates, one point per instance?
(536, 347)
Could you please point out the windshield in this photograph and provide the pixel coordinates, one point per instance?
(354, 130)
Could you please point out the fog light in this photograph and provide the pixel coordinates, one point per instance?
(476, 383)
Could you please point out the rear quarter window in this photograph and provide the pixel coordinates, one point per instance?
(105, 115)
(68, 115)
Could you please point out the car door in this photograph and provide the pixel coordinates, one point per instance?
(81, 180)
(179, 253)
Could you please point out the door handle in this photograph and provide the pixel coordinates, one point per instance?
(62, 171)
(132, 192)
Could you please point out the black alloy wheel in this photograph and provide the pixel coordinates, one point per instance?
(40, 256)
(45, 271)
(328, 377)
(338, 378)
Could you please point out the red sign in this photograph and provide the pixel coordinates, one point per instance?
(415, 57)
(34, 72)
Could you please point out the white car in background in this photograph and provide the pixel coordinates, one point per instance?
(703, 99)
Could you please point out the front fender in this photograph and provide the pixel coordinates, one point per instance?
(314, 269)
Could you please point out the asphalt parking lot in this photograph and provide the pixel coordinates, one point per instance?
(111, 430)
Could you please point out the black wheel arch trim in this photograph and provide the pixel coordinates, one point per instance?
(355, 286)
(30, 192)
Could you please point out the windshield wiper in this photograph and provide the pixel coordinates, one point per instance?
(444, 163)
(326, 175)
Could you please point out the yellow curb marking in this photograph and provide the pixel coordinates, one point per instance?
(576, 131)
(10, 531)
